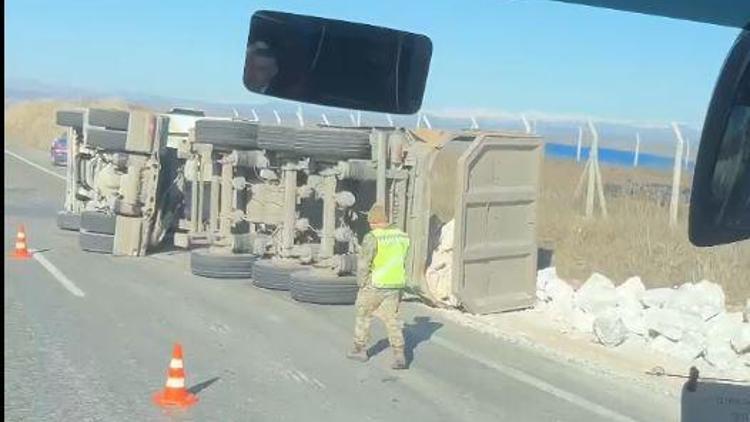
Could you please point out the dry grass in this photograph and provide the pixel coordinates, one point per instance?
(635, 239)
(32, 123)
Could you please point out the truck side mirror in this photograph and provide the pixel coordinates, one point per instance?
(720, 200)
(336, 63)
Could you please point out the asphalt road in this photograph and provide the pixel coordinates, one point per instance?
(250, 354)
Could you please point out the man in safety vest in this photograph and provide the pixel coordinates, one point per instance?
(381, 274)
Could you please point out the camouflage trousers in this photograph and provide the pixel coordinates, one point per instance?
(384, 304)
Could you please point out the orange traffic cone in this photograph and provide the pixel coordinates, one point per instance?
(22, 250)
(175, 393)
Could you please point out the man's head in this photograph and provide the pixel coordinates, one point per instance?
(261, 66)
(377, 217)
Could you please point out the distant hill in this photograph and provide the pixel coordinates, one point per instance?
(655, 140)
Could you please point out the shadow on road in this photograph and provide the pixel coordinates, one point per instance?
(197, 388)
(39, 251)
(419, 331)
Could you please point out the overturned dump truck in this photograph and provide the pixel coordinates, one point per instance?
(286, 207)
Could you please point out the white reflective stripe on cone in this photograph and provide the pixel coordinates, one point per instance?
(21, 236)
(175, 382)
(20, 245)
(175, 363)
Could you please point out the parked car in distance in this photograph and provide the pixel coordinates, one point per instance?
(59, 152)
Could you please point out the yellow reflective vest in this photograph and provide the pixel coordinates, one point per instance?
(389, 264)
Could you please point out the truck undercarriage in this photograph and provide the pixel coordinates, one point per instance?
(287, 206)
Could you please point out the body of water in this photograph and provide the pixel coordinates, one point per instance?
(613, 157)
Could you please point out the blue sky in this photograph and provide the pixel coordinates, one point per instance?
(490, 57)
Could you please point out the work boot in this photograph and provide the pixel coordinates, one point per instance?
(358, 353)
(399, 360)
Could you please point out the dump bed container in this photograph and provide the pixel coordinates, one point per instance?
(488, 184)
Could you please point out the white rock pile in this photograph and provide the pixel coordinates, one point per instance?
(439, 273)
(688, 322)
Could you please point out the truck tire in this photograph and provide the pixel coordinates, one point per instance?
(70, 118)
(98, 222)
(106, 139)
(67, 220)
(110, 119)
(323, 288)
(232, 134)
(276, 138)
(217, 265)
(274, 274)
(334, 144)
(96, 242)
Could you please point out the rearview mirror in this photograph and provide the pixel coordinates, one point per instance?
(336, 63)
(720, 200)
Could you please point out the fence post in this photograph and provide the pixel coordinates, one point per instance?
(676, 176)
(580, 141)
(526, 123)
(593, 173)
(300, 118)
(637, 149)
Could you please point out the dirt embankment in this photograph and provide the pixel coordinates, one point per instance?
(32, 123)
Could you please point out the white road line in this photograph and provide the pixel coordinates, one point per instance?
(537, 383)
(65, 281)
(37, 166)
